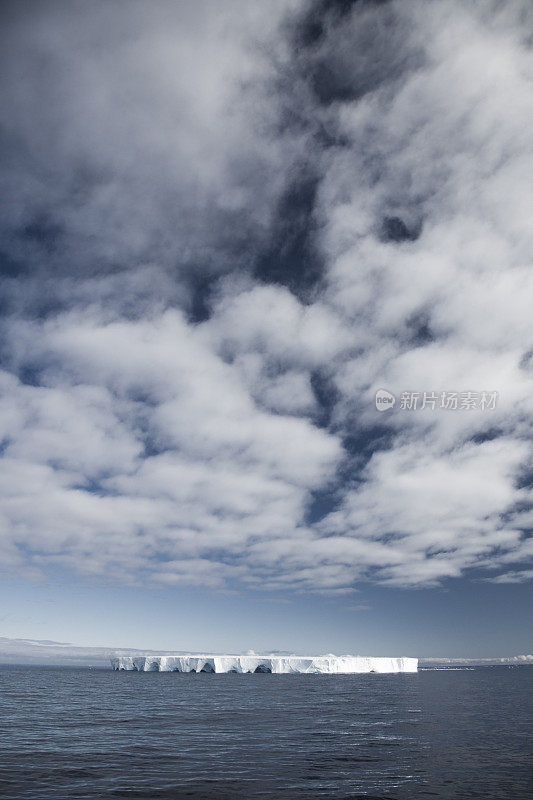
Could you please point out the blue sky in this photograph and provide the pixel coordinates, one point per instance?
(460, 619)
(226, 230)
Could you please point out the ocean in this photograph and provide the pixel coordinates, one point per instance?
(93, 733)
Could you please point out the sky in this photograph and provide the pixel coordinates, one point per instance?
(266, 342)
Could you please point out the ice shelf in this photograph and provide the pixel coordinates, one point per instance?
(328, 665)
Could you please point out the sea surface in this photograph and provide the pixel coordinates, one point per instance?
(93, 733)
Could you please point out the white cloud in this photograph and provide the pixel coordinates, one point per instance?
(142, 445)
(472, 662)
(221, 472)
(518, 576)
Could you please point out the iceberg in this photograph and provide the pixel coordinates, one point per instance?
(278, 665)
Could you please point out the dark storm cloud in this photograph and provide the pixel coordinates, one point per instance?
(372, 48)
(419, 328)
(394, 229)
(121, 150)
(326, 394)
(100, 149)
(311, 26)
(339, 51)
(292, 256)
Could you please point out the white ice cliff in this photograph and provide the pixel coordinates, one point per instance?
(330, 665)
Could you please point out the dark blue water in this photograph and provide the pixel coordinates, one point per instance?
(80, 733)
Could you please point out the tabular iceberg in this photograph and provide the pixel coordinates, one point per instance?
(326, 665)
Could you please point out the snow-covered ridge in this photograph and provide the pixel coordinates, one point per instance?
(330, 665)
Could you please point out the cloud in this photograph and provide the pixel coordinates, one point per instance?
(47, 652)
(130, 142)
(518, 576)
(144, 446)
(223, 233)
(473, 662)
